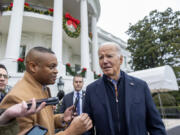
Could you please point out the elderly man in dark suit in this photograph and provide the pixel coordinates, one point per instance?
(120, 104)
(78, 93)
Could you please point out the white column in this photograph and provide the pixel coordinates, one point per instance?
(57, 41)
(14, 35)
(57, 29)
(84, 35)
(95, 45)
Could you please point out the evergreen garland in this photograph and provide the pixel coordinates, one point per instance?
(73, 73)
(96, 76)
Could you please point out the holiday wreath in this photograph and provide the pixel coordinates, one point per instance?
(71, 26)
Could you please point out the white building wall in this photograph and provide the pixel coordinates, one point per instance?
(69, 56)
(75, 59)
(3, 42)
(66, 53)
(31, 40)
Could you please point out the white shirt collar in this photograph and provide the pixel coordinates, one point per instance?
(80, 92)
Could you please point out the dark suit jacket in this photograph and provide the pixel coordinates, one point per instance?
(68, 101)
(140, 111)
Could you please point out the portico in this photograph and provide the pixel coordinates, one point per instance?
(67, 49)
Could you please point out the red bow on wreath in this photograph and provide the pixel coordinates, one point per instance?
(71, 20)
(20, 60)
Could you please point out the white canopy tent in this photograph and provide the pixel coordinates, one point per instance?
(158, 79)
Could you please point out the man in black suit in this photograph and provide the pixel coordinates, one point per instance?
(78, 93)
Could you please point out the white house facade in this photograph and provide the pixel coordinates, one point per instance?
(67, 27)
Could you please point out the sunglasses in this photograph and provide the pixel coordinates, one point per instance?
(5, 76)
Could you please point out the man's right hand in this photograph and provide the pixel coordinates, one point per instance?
(79, 125)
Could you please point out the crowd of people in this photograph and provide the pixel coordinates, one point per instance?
(115, 104)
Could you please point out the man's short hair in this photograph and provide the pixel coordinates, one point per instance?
(77, 75)
(3, 67)
(37, 49)
(42, 49)
(118, 48)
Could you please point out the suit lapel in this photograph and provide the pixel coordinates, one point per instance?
(83, 97)
(71, 98)
(101, 93)
(129, 94)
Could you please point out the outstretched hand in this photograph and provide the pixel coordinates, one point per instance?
(20, 110)
(68, 114)
(79, 125)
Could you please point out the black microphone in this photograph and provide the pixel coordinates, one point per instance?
(60, 94)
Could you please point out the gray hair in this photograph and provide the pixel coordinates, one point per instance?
(118, 48)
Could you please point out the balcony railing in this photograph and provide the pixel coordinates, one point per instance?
(29, 8)
(170, 112)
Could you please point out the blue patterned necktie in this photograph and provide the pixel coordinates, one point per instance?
(78, 105)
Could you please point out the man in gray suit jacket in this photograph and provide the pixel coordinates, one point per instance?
(70, 98)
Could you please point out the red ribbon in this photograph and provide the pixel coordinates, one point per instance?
(69, 22)
(11, 4)
(51, 10)
(26, 4)
(20, 59)
(75, 22)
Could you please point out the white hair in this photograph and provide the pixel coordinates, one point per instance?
(118, 48)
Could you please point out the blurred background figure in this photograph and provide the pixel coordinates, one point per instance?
(4, 88)
(78, 93)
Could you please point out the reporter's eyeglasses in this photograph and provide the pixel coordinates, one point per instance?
(4, 75)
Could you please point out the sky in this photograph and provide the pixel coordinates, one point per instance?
(116, 15)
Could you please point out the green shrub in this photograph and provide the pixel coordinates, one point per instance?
(166, 100)
(176, 94)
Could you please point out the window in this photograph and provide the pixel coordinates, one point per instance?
(77, 67)
(20, 61)
(22, 51)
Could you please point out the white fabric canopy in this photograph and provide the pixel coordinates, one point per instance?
(158, 79)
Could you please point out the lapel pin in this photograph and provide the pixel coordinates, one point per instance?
(132, 84)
